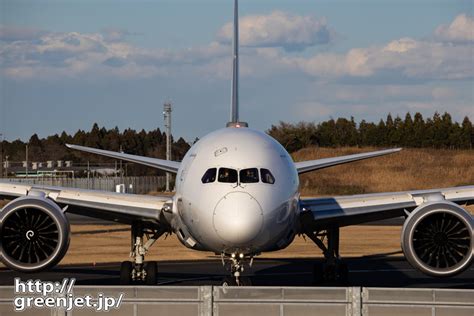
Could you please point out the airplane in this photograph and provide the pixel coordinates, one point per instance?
(237, 195)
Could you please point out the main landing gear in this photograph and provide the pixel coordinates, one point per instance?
(236, 266)
(138, 270)
(333, 270)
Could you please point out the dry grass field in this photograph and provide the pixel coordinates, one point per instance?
(410, 169)
(407, 170)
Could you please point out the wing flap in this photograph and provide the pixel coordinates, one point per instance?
(166, 165)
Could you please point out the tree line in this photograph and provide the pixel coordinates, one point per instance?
(439, 131)
(143, 143)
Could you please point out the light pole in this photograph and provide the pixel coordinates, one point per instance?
(6, 166)
(26, 166)
(167, 118)
(121, 170)
(1, 155)
(88, 175)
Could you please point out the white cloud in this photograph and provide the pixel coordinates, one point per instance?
(56, 55)
(460, 30)
(279, 29)
(401, 46)
(401, 59)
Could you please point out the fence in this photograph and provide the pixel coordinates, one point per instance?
(137, 185)
(268, 301)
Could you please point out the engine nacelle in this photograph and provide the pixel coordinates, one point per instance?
(437, 238)
(34, 234)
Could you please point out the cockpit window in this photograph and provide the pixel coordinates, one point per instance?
(227, 175)
(249, 175)
(267, 176)
(209, 176)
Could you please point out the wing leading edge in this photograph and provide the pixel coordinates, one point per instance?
(166, 165)
(310, 165)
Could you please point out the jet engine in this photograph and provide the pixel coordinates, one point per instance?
(437, 238)
(34, 234)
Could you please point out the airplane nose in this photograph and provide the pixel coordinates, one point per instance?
(238, 218)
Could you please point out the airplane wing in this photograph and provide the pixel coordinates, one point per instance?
(166, 165)
(118, 207)
(319, 213)
(310, 165)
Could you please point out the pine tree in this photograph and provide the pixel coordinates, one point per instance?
(418, 130)
(407, 132)
(382, 134)
(93, 137)
(467, 134)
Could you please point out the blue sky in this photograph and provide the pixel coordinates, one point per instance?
(68, 64)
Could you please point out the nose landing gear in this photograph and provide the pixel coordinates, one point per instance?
(236, 266)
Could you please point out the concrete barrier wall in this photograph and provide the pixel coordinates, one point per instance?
(439, 302)
(268, 301)
(265, 301)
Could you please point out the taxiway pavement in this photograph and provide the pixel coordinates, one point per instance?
(379, 271)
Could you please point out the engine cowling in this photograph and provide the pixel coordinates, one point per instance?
(437, 238)
(34, 234)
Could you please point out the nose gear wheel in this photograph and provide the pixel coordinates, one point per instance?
(236, 266)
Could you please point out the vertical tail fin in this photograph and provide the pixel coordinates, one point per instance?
(234, 114)
(235, 67)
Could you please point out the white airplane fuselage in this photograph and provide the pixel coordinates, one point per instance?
(236, 217)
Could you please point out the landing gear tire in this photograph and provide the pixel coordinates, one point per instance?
(342, 273)
(229, 281)
(330, 274)
(151, 270)
(126, 273)
(318, 274)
